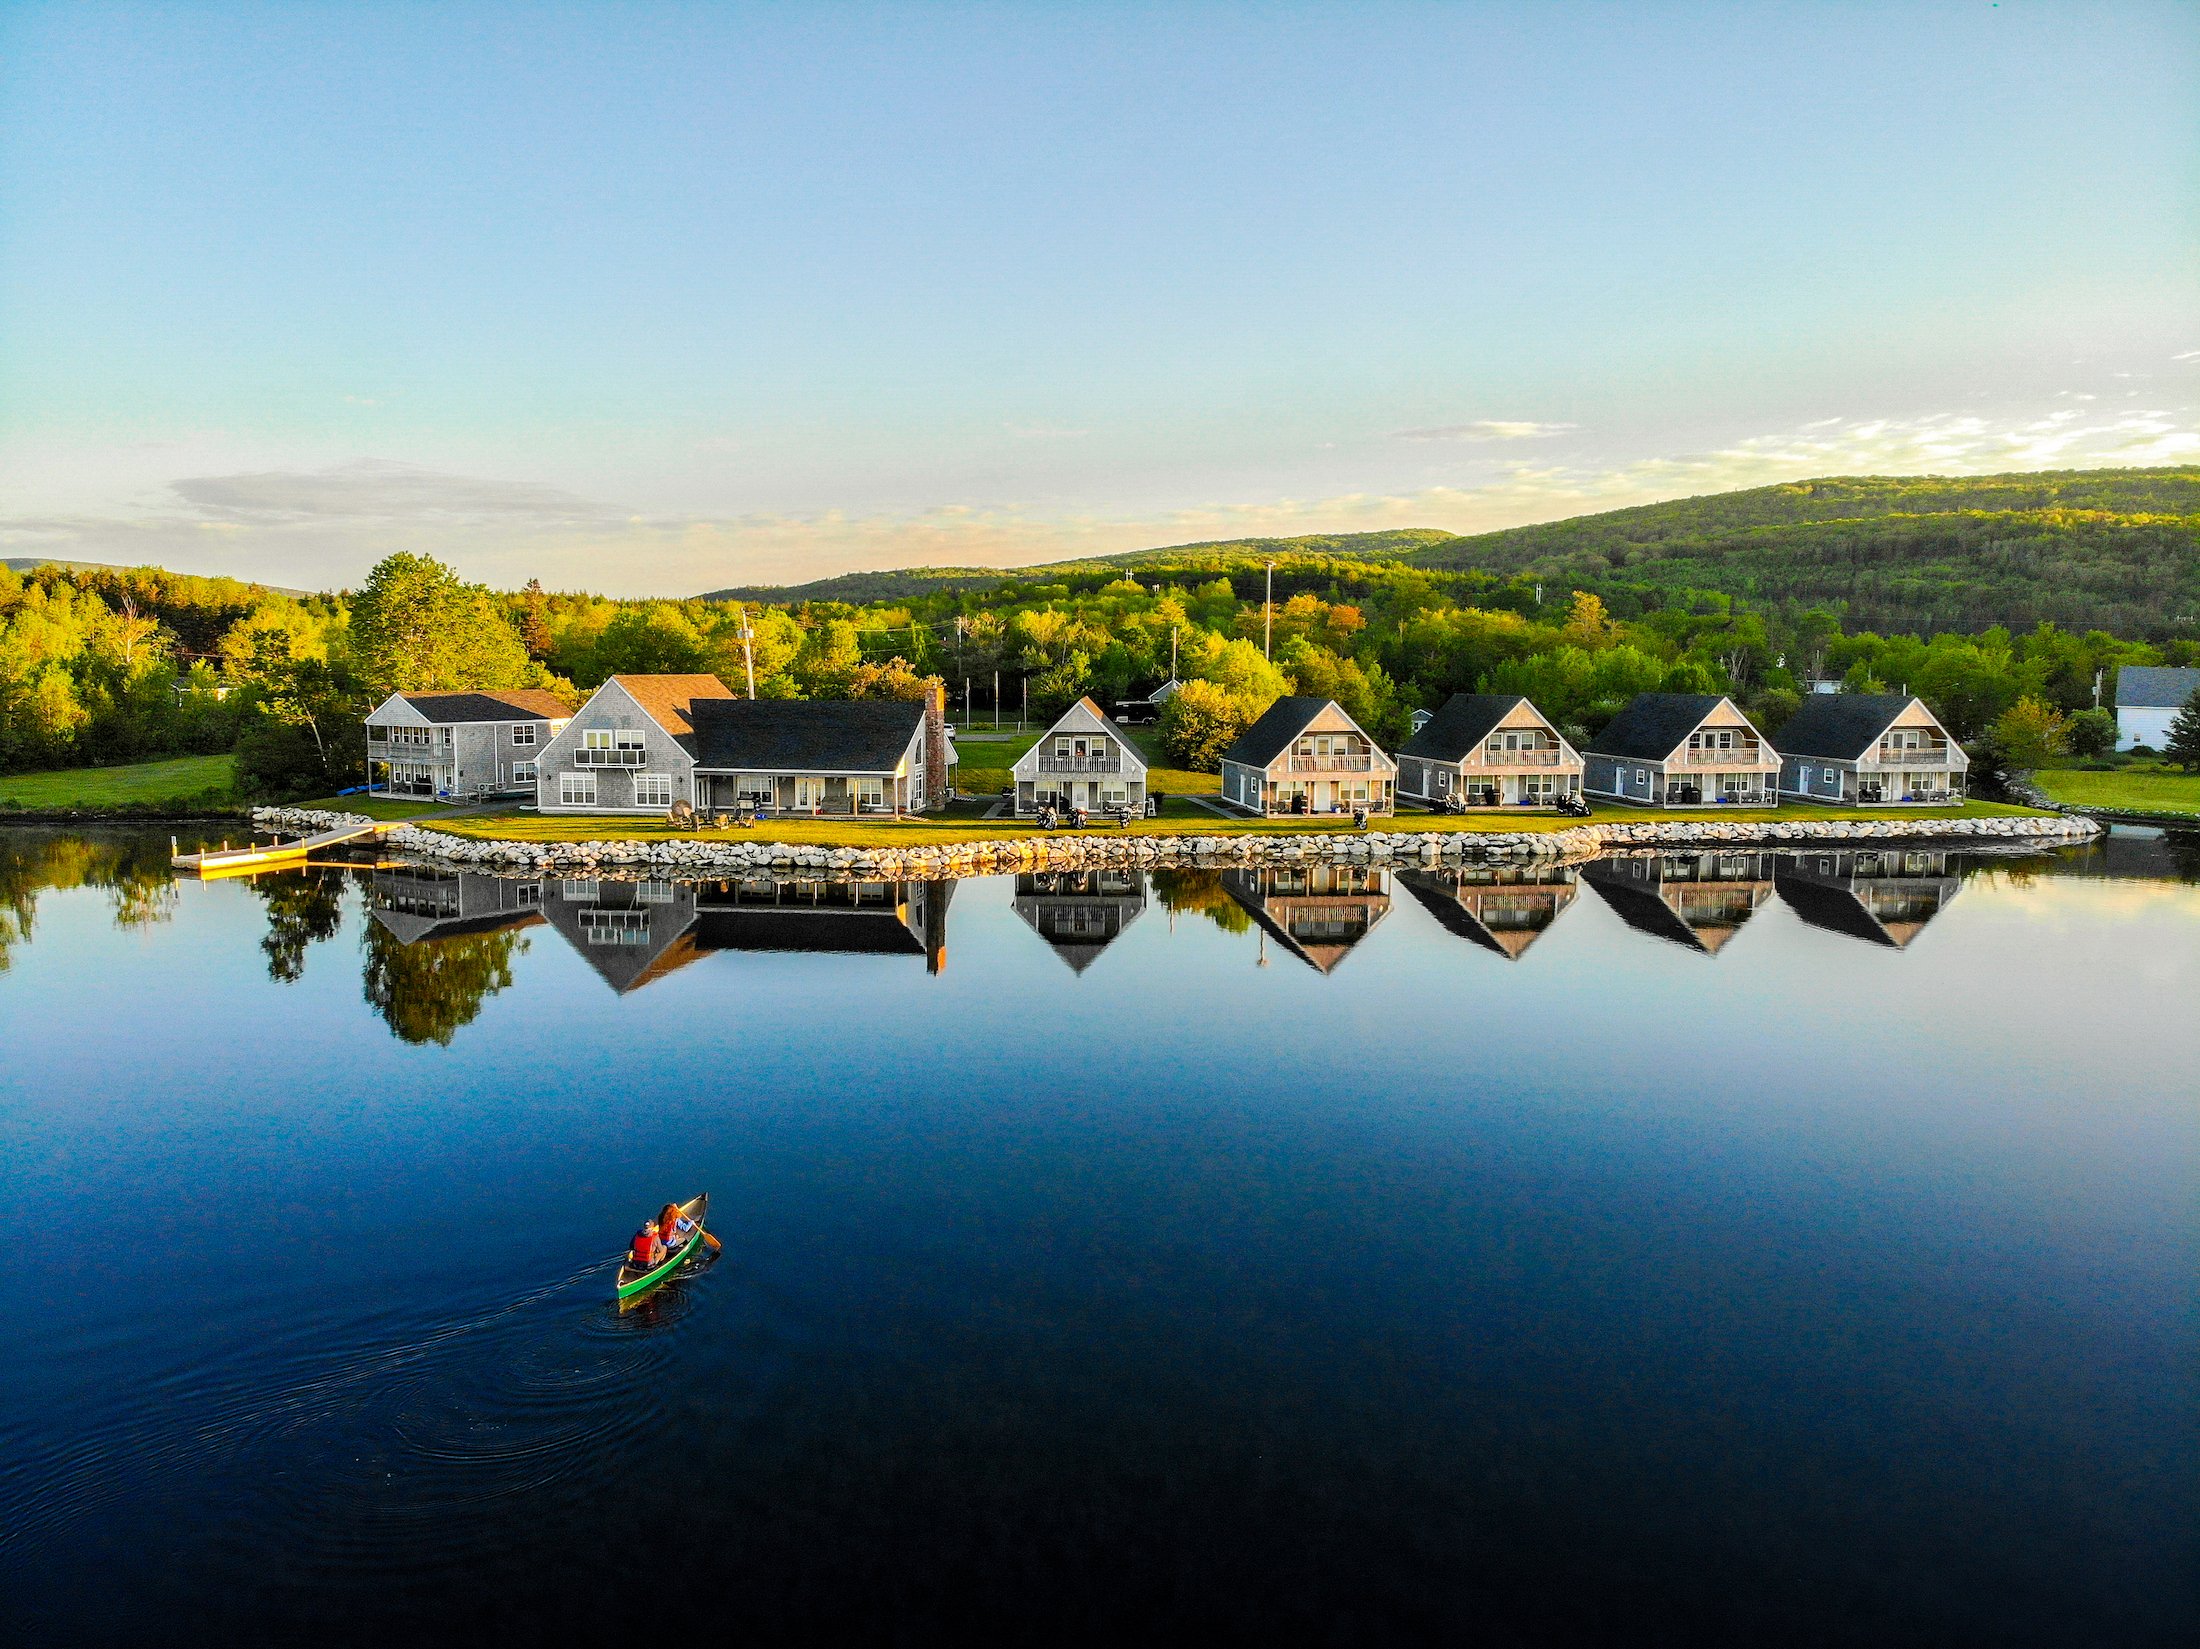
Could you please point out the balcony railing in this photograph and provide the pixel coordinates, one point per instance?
(1738, 756)
(1539, 757)
(1345, 761)
(1108, 763)
(625, 756)
(1937, 756)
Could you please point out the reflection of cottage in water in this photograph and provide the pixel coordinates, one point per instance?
(1699, 900)
(770, 913)
(415, 902)
(1080, 912)
(1885, 897)
(1504, 908)
(1318, 912)
(629, 932)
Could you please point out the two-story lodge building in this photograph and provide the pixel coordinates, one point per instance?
(1307, 756)
(1682, 750)
(460, 747)
(1488, 750)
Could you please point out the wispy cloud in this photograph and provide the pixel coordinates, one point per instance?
(1044, 432)
(2189, 355)
(1485, 429)
(328, 526)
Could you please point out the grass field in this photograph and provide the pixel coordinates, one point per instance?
(185, 778)
(2139, 787)
(375, 807)
(1183, 818)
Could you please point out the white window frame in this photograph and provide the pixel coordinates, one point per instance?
(653, 783)
(523, 772)
(523, 733)
(595, 738)
(576, 790)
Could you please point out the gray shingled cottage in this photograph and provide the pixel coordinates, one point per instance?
(1870, 750)
(1488, 750)
(1682, 750)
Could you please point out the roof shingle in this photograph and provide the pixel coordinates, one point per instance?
(804, 735)
(1653, 725)
(2155, 687)
(667, 700)
(513, 704)
(1458, 729)
(1839, 726)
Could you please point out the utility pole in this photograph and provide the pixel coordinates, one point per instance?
(748, 650)
(1268, 613)
(996, 701)
(2097, 675)
(1024, 713)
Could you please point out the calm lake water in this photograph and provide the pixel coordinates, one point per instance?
(1741, 1248)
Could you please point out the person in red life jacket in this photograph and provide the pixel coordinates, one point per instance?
(647, 1249)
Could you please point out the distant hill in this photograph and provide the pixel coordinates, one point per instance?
(903, 583)
(2111, 549)
(2117, 550)
(24, 563)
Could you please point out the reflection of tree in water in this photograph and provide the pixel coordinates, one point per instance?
(427, 990)
(1200, 892)
(133, 869)
(2183, 848)
(304, 907)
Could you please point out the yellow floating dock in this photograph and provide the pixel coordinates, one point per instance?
(273, 855)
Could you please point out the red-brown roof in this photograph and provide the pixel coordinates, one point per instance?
(665, 699)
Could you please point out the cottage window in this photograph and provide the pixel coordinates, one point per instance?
(523, 772)
(576, 790)
(523, 732)
(1829, 774)
(629, 739)
(871, 792)
(596, 738)
(652, 790)
(377, 734)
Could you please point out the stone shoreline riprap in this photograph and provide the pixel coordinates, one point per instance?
(922, 861)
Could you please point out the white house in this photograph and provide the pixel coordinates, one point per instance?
(2147, 701)
(1488, 750)
(456, 747)
(1083, 760)
(1305, 755)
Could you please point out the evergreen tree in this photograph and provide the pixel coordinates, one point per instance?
(534, 621)
(2183, 747)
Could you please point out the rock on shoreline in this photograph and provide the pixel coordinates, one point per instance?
(924, 861)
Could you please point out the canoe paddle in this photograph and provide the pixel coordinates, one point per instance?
(713, 1241)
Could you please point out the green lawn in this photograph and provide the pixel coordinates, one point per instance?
(1181, 818)
(186, 778)
(2136, 787)
(375, 807)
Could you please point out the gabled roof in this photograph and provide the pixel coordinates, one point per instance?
(1106, 725)
(514, 704)
(667, 700)
(804, 735)
(2155, 687)
(1458, 729)
(1842, 726)
(1284, 721)
(1654, 725)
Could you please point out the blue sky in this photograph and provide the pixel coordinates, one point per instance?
(653, 298)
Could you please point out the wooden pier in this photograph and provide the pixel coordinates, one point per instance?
(275, 855)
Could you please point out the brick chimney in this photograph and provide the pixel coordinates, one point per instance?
(935, 747)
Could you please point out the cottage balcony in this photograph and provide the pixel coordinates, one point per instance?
(625, 756)
(1348, 761)
(1109, 762)
(1538, 757)
(1937, 755)
(1753, 755)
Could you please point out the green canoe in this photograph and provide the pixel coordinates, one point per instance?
(633, 1281)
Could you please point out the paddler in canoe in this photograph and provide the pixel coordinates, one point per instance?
(661, 1243)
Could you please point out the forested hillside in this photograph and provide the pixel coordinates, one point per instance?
(2116, 550)
(900, 584)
